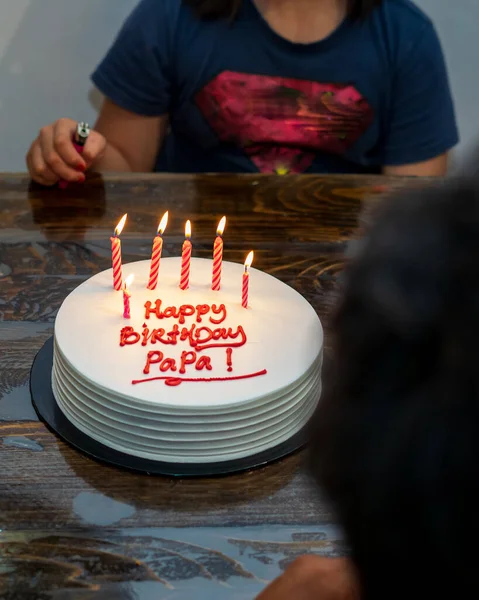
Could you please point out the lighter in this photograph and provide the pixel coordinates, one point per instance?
(79, 140)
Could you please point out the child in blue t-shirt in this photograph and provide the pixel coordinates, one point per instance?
(270, 86)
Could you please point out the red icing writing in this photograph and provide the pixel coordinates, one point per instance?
(199, 338)
(175, 381)
(217, 335)
(128, 336)
(218, 310)
(200, 335)
(169, 364)
(229, 361)
(187, 358)
(201, 311)
(156, 357)
(186, 310)
(159, 335)
(204, 362)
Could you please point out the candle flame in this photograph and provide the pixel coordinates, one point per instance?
(221, 226)
(249, 261)
(163, 224)
(121, 224)
(129, 281)
(188, 230)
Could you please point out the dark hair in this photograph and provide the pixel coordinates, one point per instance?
(396, 434)
(228, 9)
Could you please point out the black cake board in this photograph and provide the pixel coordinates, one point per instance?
(50, 413)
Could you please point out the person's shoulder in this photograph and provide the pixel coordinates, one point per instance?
(406, 30)
(158, 8)
(153, 18)
(404, 12)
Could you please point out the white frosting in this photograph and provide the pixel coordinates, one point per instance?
(194, 422)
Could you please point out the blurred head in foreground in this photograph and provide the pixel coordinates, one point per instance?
(396, 435)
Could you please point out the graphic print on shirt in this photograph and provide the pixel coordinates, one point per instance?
(282, 123)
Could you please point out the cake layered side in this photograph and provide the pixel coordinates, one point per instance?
(192, 376)
(203, 441)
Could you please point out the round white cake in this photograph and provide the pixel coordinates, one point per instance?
(192, 376)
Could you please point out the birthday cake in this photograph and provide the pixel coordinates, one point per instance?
(192, 376)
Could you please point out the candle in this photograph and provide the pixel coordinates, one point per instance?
(245, 289)
(186, 258)
(156, 253)
(116, 254)
(127, 296)
(218, 256)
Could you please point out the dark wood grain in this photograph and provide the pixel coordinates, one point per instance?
(73, 527)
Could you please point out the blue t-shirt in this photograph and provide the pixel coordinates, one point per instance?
(241, 98)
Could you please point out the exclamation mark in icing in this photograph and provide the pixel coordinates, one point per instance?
(229, 362)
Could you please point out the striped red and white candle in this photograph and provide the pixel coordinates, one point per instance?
(116, 254)
(156, 253)
(245, 288)
(218, 256)
(127, 296)
(186, 258)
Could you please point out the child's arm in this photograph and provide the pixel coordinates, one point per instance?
(133, 141)
(121, 141)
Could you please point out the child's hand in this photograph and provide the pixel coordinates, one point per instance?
(315, 578)
(52, 156)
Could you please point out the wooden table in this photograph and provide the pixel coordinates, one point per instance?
(72, 526)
